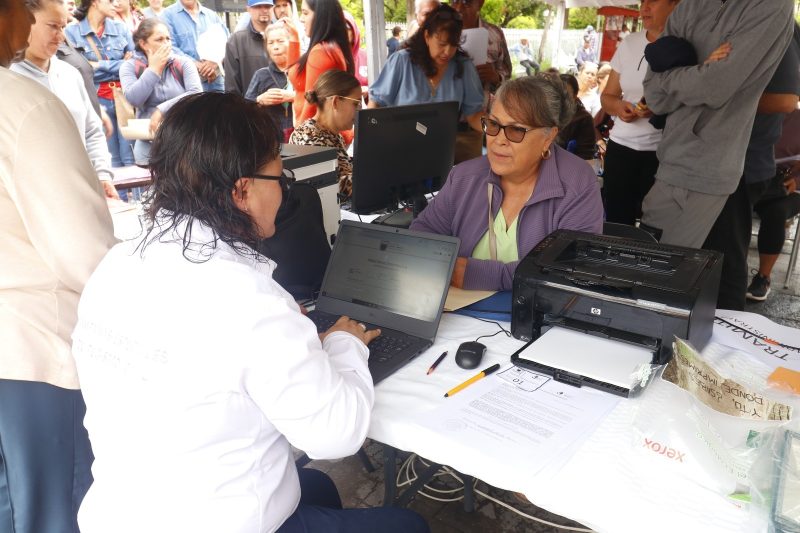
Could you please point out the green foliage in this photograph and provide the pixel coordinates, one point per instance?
(355, 7)
(502, 12)
(523, 22)
(394, 10)
(580, 17)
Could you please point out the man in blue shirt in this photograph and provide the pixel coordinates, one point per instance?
(197, 31)
(393, 43)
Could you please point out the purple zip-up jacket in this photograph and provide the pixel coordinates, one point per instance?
(566, 196)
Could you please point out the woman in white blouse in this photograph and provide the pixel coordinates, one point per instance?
(198, 383)
(41, 65)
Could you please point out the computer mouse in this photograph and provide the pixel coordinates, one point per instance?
(469, 354)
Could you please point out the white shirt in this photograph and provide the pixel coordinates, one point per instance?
(591, 101)
(629, 63)
(196, 383)
(54, 229)
(64, 80)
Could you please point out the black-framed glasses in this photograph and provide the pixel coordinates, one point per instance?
(285, 179)
(515, 134)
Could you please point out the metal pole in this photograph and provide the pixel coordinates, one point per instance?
(375, 28)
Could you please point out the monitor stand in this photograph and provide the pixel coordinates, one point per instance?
(399, 219)
(403, 217)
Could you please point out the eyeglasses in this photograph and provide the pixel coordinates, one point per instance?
(285, 180)
(356, 102)
(515, 134)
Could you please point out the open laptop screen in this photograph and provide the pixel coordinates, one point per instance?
(392, 271)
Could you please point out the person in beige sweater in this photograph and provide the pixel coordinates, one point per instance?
(54, 229)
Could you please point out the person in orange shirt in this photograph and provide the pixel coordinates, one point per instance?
(329, 48)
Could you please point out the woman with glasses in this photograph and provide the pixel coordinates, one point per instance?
(502, 204)
(337, 97)
(430, 67)
(200, 384)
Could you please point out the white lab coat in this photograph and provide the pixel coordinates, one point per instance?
(197, 380)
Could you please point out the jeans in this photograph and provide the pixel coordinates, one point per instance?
(531, 66)
(141, 152)
(119, 147)
(320, 510)
(45, 457)
(216, 86)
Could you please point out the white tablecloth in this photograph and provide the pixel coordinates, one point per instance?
(609, 484)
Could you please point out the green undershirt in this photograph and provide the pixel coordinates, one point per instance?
(506, 238)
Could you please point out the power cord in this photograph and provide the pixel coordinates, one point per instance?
(502, 329)
(408, 469)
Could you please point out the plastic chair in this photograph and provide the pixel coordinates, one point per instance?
(616, 229)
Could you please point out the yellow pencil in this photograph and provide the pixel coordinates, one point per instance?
(472, 380)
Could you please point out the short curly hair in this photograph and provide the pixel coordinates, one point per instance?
(205, 144)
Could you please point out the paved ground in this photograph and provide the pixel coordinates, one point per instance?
(361, 489)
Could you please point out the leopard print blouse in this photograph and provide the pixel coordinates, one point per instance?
(310, 133)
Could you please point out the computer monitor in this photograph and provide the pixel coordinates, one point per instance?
(401, 153)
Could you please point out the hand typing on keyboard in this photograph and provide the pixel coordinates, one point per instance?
(357, 329)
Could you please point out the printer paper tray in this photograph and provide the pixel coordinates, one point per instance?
(577, 359)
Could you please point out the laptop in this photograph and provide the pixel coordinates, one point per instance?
(388, 278)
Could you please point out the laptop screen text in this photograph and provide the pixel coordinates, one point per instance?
(402, 274)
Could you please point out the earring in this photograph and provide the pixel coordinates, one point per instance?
(546, 153)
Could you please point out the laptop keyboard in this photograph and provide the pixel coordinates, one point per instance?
(381, 349)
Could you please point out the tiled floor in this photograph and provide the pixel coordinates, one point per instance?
(361, 489)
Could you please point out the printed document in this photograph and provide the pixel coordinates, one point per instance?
(518, 409)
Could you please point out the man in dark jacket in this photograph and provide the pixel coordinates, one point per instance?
(244, 53)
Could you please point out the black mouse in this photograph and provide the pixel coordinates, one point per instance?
(469, 354)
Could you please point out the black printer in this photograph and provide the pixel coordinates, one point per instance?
(631, 291)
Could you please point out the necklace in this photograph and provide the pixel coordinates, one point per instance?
(433, 86)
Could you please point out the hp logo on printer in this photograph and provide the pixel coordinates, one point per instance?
(596, 311)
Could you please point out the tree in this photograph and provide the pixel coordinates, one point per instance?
(580, 17)
(502, 12)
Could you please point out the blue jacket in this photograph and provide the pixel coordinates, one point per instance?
(113, 45)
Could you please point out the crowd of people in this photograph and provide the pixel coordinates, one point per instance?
(190, 425)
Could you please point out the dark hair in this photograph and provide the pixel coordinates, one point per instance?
(332, 83)
(82, 10)
(443, 19)
(328, 28)
(571, 82)
(396, 31)
(145, 30)
(205, 144)
(539, 101)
